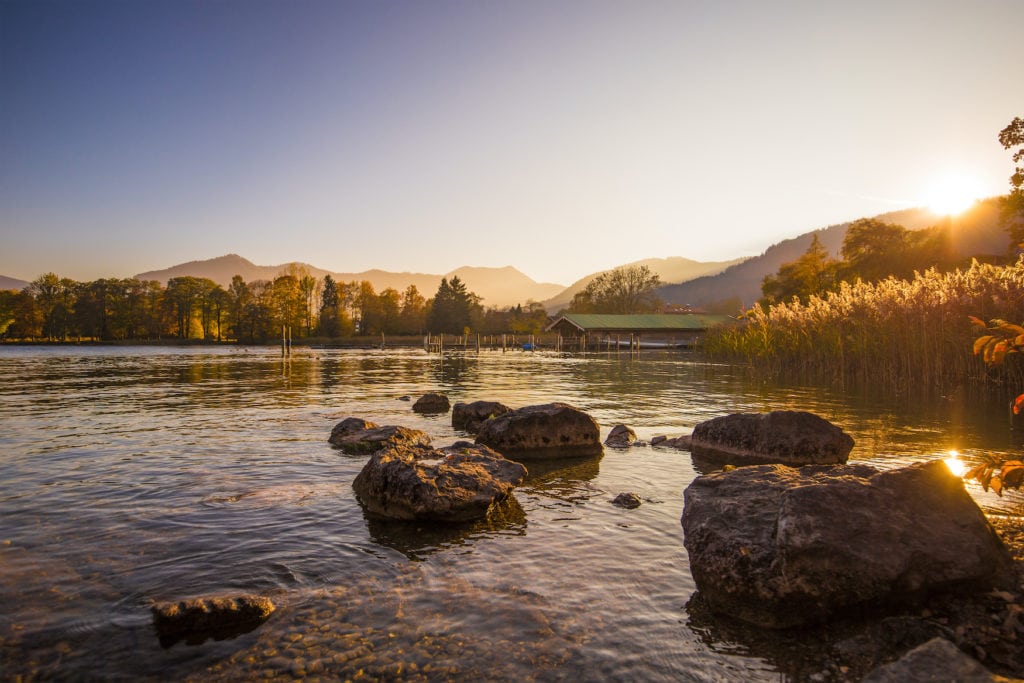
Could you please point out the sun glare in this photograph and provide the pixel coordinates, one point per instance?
(953, 193)
(955, 464)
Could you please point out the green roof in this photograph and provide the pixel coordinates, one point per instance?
(689, 322)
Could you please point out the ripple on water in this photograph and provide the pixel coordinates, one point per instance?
(134, 475)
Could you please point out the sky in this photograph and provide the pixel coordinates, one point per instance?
(561, 137)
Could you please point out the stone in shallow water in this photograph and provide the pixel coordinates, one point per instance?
(778, 546)
(627, 500)
(356, 436)
(469, 416)
(552, 430)
(432, 403)
(454, 484)
(787, 437)
(197, 619)
(620, 436)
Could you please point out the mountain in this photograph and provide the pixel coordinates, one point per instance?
(976, 232)
(12, 283)
(498, 287)
(670, 270)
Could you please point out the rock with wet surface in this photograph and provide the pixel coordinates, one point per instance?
(935, 661)
(453, 484)
(196, 619)
(432, 404)
(777, 546)
(787, 437)
(356, 436)
(469, 416)
(551, 430)
(627, 500)
(620, 436)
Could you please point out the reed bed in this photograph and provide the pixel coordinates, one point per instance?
(896, 334)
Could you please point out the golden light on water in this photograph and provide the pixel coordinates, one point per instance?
(955, 464)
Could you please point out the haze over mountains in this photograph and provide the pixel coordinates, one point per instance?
(976, 232)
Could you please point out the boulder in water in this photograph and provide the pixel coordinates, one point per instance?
(783, 436)
(548, 431)
(453, 484)
(778, 546)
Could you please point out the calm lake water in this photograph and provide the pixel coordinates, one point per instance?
(129, 475)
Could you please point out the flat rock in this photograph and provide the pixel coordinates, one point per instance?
(454, 484)
(551, 430)
(777, 546)
(937, 661)
(212, 617)
(783, 436)
(359, 437)
(469, 416)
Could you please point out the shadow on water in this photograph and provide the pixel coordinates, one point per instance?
(419, 539)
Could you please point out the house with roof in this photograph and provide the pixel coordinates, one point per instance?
(647, 330)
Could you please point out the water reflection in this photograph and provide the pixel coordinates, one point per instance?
(417, 540)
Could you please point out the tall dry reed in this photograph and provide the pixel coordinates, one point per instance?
(898, 334)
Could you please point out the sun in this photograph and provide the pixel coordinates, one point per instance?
(952, 193)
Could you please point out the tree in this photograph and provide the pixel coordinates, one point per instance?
(1013, 216)
(452, 308)
(413, 315)
(389, 309)
(874, 250)
(814, 273)
(629, 289)
(368, 305)
(329, 308)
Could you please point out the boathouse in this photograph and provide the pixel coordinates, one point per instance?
(652, 330)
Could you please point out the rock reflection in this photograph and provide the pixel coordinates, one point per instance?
(798, 654)
(419, 539)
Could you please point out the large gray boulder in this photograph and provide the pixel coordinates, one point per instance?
(469, 416)
(453, 484)
(552, 430)
(356, 436)
(782, 436)
(778, 546)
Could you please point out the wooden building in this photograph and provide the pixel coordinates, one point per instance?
(654, 330)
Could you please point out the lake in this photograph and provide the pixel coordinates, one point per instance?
(138, 474)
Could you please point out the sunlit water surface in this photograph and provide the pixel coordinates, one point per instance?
(132, 475)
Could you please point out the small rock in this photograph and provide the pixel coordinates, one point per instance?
(655, 440)
(432, 403)
(405, 398)
(936, 660)
(469, 416)
(359, 437)
(627, 500)
(621, 436)
(217, 617)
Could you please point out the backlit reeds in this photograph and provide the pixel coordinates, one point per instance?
(897, 334)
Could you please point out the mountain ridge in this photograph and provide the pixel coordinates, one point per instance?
(978, 232)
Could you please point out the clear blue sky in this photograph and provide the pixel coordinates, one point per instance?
(561, 137)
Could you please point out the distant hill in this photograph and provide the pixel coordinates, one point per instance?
(976, 232)
(673, 269)
(498, 287)
(12, 283)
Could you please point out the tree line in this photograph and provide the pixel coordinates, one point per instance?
(55, 308)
